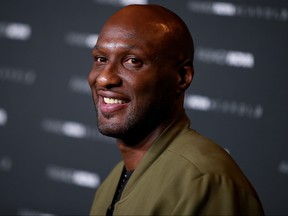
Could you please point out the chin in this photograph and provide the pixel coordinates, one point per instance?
(112, 130)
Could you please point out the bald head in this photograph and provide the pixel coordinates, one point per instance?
(157, 26)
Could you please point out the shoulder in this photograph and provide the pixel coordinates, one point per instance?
(198, 154)
(221, 195)
(199, 151)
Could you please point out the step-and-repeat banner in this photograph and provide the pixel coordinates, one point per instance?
(52, 157)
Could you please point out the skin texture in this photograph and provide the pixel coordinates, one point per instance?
(143, 59)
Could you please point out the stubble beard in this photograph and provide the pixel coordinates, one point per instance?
(139, 122)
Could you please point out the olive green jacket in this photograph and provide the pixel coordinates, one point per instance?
(182, 173)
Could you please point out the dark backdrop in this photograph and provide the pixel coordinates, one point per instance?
(52, 157)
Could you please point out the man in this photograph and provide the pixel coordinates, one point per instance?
(143, 63)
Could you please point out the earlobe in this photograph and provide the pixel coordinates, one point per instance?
(185, 74)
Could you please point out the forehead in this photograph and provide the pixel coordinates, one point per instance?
(119, 41)
(131, 35)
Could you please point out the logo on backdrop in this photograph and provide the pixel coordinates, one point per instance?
(79, 84)
(81, 39)
(17, 75)
(121, 2)
(5, 163)
(29, 212)
(225, 57)
(204, 103)
(73, 129)
(283, 167)
(15, 31)
(72, 176)
(3, 117)
(233, 10)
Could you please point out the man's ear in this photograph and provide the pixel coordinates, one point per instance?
(185, 73)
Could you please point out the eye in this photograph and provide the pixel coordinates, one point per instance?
(133, 62)
(100, 59)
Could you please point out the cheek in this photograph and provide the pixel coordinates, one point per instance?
(157, 92)
(167, 86)
(152, 84)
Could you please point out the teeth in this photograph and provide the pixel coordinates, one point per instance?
(112, 101)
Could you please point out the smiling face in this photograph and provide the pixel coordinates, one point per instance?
(134, 78)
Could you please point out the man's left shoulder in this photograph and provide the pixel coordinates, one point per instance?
(191, 144)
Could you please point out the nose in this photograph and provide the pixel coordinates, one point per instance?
(106, 77)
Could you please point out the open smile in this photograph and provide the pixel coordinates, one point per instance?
(111, 105)
(113, 101)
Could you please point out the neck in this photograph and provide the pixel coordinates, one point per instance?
(134, 148)
(133, 154)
